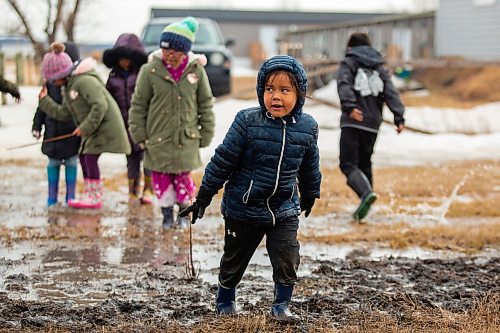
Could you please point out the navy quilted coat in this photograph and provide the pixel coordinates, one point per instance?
(266, 162)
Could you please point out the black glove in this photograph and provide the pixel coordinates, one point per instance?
(202, 201)
(306, 204)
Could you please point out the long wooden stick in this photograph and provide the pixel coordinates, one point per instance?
(60, 137)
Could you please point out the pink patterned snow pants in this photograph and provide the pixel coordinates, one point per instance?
(171, 188)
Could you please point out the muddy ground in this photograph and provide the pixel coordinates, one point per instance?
(426, 260)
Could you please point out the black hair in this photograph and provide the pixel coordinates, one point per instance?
(291, 77)
(358, 39)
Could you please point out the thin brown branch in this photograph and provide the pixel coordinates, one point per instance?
(69, 25)
(22, 17)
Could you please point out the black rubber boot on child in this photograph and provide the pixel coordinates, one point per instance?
(226, 301)
(168, 217)
(361, 185)
(279, 308)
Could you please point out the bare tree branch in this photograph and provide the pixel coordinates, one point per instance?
(57, 20)
(69, 25)
(22, 17)
(49, 17)
(38, 46)
(52, 23)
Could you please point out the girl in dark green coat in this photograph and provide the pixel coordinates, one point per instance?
(87, 102)
(171, 116)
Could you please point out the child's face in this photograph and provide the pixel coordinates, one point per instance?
(280, 95)
(124, 63)
(60, 82)
(173, 57)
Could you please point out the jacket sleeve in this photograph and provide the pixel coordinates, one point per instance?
(9, 87)
(55, 110)
(392, 97)
(205, 110)
(38, 120)
(226, 157)
(309, 174)
(138, 112)
(96, 99)
(345, 86)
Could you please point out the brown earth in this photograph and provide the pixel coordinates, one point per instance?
(452, 293)
(457, 87)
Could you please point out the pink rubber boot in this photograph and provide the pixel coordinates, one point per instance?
(92, 198)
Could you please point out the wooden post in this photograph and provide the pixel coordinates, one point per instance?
(19, 69)
(3, 100)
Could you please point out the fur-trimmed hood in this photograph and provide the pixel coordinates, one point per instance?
(84, 66)
(126, 46)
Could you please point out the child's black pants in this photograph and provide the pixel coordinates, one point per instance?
(242, 239)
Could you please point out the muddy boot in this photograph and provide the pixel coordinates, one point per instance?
(225, 304)
(92, 198)
(168, 217)
(53, 180)
(279, 308)
(147, 193)
(361, 185)
(133, 189)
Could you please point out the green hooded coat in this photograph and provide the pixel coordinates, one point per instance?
(88, 103)
(173, 119)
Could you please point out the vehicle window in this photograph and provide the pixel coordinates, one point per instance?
(207, 34)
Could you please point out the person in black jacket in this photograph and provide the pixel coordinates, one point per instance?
(268, 165)
(59, 152)
(364, 85)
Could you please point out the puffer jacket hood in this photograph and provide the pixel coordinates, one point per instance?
(366, 56)
(72, 50)
(285, 63)
(126, 46)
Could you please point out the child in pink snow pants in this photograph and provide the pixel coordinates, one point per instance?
(171, 117)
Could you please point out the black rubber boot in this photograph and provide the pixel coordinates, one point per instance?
(168, 217)
(279, 308)
(226, 301)
(361, 185)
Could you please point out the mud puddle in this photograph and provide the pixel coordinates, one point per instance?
(82, 271)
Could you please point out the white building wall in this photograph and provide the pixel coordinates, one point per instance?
(468, 28)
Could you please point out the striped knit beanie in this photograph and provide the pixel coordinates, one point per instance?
(56, 64)
(179, 36)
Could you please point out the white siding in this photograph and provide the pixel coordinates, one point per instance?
(468, 28)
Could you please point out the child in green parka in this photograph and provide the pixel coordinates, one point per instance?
(171, 116)
(87, 102)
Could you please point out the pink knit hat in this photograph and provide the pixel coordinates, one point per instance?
(56, 64)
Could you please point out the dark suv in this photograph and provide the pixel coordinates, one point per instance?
(209, 41)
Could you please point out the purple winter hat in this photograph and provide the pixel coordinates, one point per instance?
(56, 64)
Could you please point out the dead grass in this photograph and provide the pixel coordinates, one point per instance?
(483, 316)
(459, 238)
(457, 87)
(403, 188)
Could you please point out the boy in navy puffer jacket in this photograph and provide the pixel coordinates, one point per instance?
(268, 157)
